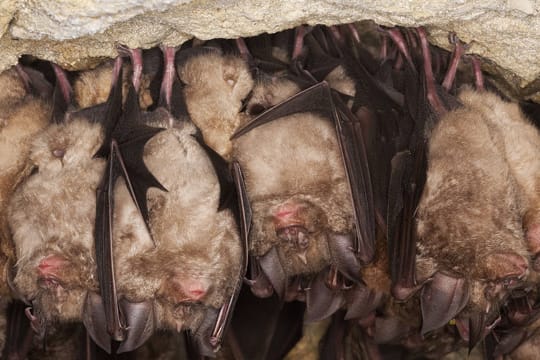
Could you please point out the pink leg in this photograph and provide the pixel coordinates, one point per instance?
(63, 83)
(168, 74)
(136, 62)
(432, 96)
(459, 49)
(479, 78)
(398, 39)
(244, 51)
(298, 42)
(354, 33)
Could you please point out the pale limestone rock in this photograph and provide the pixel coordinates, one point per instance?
(78, 34)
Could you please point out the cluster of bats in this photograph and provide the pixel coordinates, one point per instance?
(231, 190)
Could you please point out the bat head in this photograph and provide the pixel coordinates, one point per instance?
(66, 146)
(269, 91)
(214, 87)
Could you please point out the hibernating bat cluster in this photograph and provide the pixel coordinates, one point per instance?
(228, 191)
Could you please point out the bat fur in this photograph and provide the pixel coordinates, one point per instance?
(52, 216)
(196, 260)
(295, 177)
(215, 86)
(470, 215)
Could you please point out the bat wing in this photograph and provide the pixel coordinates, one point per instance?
(19, 332)
(319, 98)
(125, 137)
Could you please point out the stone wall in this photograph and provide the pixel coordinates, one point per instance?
(80, 33)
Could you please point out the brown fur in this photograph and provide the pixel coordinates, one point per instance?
(469, 216)
(52, 213)
(295, 159)
(215, 87)
(521, 146)
(22, 116)
(193, 240)
(269, 91)
(92, 87)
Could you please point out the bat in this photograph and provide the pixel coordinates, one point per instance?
(472, 170)
(25, 109)
(183, 273)
(302, 220)
(214, 86)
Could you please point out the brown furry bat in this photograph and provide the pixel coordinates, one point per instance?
(298, 190)
(193, 261)
(215, 85)
(52, 216)
(471, 239)
(22, 116)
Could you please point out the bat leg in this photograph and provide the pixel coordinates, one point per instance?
(299, 34)
(136, 62)
(441, 300)
(478, 77)
(140, 322)
(169, 74)
(397, 38)
(431, 92)
(459, 49)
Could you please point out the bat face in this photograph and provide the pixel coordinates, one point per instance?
(52, 216)
(215, 86)
(297, 188)
(471, 241)
(195, 262)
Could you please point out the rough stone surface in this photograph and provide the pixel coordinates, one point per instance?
(79, 34)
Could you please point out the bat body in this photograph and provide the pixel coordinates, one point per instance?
(52, 216)
(297, 188)
(521, 145)
(23, 116)
(193, 262)
(215, 86)
(469, 219)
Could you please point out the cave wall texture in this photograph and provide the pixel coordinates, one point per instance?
(78, 34)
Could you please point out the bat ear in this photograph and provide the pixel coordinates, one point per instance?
(441, 300)
(505, 264)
